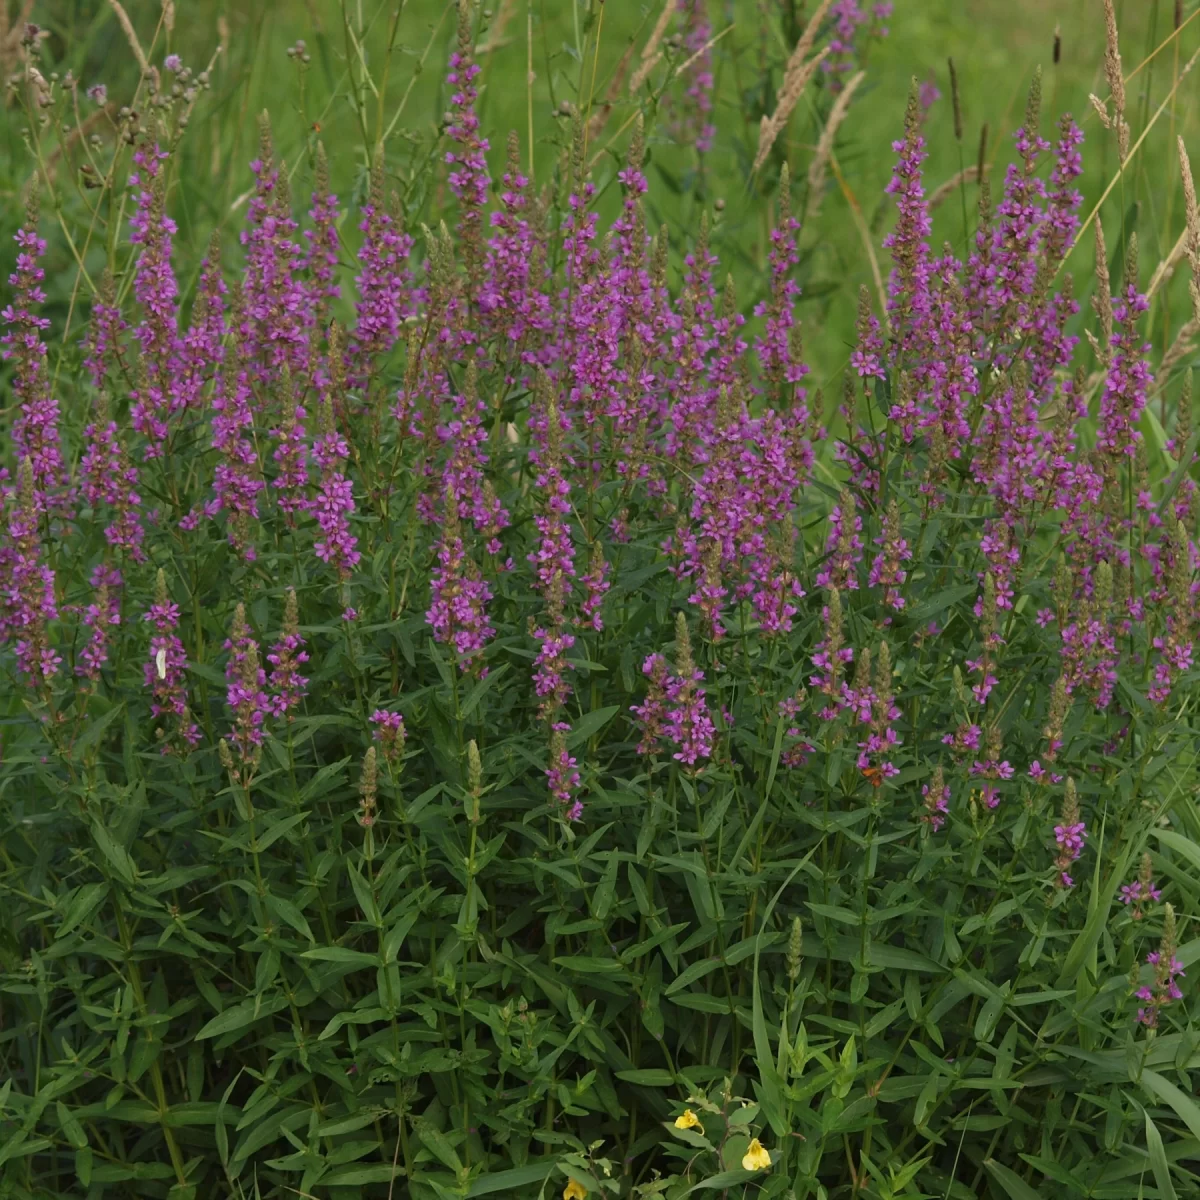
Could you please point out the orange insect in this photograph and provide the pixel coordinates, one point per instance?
(873, 775)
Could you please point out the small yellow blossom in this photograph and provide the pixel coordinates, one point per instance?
(757, 1156)
(688, 1120)
(574, 1191)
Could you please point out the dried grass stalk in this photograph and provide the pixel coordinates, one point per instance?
(794, 83)
(495, 37)
(796, 75)
(947, 189)
(130, 33)
(1166, 268)
(651, 55)
(1102, 301)
(1191, 241)
(1180, 348)
(1115, 78)
(816, 170)
(604, 111)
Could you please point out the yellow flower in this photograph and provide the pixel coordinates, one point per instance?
(688, 1120)
(574, 1190)
(757, 1156)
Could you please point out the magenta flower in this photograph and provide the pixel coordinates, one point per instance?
(458, 610)
(937, 801)
(157, 397)
(1163, 989)
(390, 734)
(246, 693)
(1069, 834)
(287, 656)
(35, 432)
(334, 499)
(27, 601)
(102, 613)
(1141, 892)
(165, 675)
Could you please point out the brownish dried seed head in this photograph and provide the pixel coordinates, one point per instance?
(955, 100)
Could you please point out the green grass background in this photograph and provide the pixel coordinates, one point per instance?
(997, 45)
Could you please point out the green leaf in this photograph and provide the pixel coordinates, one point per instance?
(94, 730)
(502, 1181)
(240, 1016)
(648, 1077)
(726, 1179)
(116, 855)
(591, 723)
(1097, 922)
(83, 904)
(343, 955)
(1012, 1183)
(696, 971)
(1158, 1161)
(1181, 845)
(1186, 1109)
(287, 912)
(436, 1142)
(481, 689)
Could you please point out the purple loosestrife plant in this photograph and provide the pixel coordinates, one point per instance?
(334, 499)
(246, 696)
(35, 431)
(1069, 835)
(164, 675)
(1166, 968)
(108, 483)
(158, 400)
(468, 177)
(28, 595)
(286, 685)
(678, 668)
(1141, 893)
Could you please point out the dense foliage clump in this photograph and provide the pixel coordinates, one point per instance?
(479, 721)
